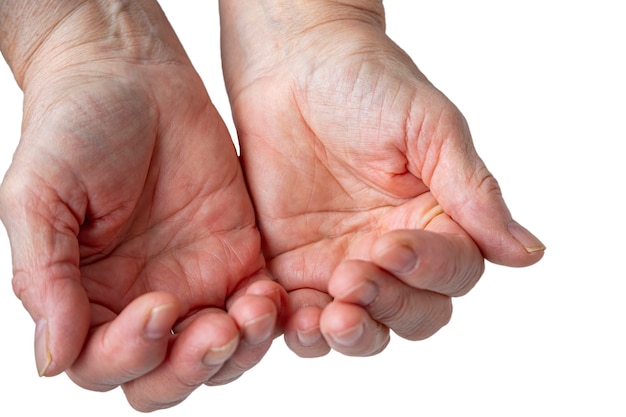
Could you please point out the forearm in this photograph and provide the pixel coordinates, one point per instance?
(52, 34)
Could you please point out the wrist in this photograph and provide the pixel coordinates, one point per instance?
(258, 35)
(287, 19)
(41, 37)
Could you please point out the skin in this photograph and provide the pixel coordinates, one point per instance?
(133, 237)
(377, 209)
(374, 207)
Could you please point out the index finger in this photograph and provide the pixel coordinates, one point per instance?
(438, 262)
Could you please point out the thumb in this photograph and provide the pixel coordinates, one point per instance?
(471, 195)
(46, 278)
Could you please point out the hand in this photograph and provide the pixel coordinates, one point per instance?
(128, 217)
(372, 202)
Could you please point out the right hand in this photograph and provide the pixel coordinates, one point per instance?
(128, 217)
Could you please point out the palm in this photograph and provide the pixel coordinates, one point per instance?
(338, 141)
(147, 179)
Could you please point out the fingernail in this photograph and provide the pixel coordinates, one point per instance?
(159, 323)
(258, 330)
(349, 337)
(363, 294)
(309, 337)
(43, 356)
(219, 355)
(527, 239)
(400, 260)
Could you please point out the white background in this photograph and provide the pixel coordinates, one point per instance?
(542, 84)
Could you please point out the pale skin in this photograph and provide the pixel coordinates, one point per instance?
(355, 168)
(126, 208)
(378, 209)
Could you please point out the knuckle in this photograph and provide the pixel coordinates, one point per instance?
(465, 275)
(436, 315)
(417, 315)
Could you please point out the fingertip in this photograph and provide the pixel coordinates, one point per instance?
(217, 355)
(203, 344)
(278, 295)
(351, 283)
(412, 313)
(394, 253)
(124, 346)
(60, 336)
(211, 330)
(472, 197)
(350, 330)
(531, 244)
(256, 317)
(302, 330)
(509, 244)
(303, 335)
(447, 263)
(43, 356)
(160, 320)
(266, 288)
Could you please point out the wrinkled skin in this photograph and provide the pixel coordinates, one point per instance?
(128, 216)
(377, 207)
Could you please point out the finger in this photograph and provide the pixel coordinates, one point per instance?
(263, 286)
(205, 342)
(411, 313)
(42, 232)
(256, 317)
(470, 194)
(349, 329)
(302, 331)
(443, 263)
(129, 346)
(310, 264)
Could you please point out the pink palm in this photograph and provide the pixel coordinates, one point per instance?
(344, 146)
(132, 186)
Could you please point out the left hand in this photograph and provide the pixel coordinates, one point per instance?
(370, 197)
